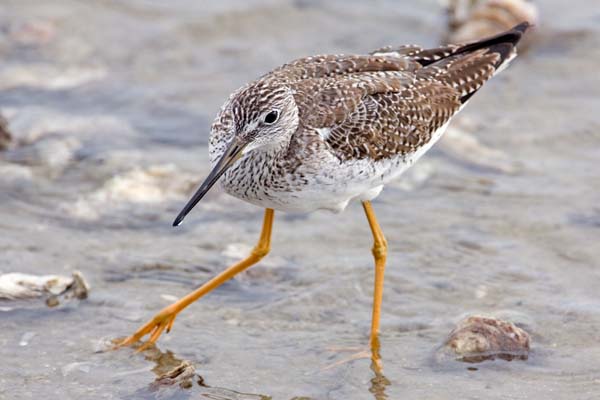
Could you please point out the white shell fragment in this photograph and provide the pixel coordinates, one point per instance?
(16, 285)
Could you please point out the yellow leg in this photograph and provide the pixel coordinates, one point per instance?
(380, 254)
(165, 318)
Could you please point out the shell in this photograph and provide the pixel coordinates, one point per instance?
(479, 338)
(16, 285)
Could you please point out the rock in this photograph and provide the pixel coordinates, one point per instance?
(80, 287)
(478, 338)
(183, 374)
(171, 370)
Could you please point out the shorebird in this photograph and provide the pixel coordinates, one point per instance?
(321, 131)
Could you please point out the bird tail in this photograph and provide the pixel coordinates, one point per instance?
(468, 66)
(503, 43)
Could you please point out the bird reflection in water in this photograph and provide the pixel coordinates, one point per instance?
(177, 374)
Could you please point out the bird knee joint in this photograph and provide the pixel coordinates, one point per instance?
(260, 251)
(379, 249)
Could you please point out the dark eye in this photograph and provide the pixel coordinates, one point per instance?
(271, 117)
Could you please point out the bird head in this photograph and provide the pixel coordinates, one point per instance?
(258, 117)
(263, 116)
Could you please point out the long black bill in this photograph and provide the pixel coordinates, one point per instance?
(231, 155)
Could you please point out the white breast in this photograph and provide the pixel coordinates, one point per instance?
(330, 185)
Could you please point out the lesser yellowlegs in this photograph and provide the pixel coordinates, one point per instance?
(321, 131)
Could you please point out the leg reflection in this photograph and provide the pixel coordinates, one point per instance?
(379, 382)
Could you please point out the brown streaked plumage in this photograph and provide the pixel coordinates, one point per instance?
(321, 131)
(381, 108)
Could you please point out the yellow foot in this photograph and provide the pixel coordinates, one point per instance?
(155, 327)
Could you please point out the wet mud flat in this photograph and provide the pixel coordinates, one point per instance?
(107, 109)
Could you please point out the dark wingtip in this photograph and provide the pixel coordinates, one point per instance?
(511, 36)
(522, 27)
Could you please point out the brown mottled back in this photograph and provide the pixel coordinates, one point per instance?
(390, 102)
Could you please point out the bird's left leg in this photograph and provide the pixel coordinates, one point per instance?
(379, 253)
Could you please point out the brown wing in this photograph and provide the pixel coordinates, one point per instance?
(391, 102)
(388, 124)
(326, 102)
(375, 115)
(329, 66)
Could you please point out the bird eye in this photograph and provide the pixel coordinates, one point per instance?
(271, 117)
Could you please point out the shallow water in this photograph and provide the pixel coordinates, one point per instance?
(111, 103)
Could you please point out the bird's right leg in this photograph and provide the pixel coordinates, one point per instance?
(166, 317)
